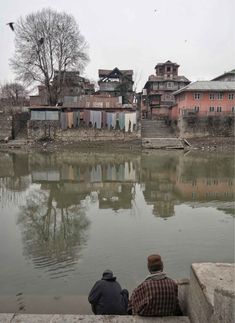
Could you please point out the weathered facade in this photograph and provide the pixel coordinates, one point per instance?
(117, 83)
(65, 85)
(158, 91)
(205, 108)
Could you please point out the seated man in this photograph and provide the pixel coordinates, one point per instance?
(107, 297)
(157, 295)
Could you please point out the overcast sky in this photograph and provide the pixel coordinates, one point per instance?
(133, 34)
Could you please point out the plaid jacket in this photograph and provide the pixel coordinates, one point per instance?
(156, 296)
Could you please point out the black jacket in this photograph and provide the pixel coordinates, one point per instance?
(108, 298)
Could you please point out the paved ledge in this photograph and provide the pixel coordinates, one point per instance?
(57, 318)
(213, 276)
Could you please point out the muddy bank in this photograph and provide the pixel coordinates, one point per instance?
(212, 143)
(226, 144)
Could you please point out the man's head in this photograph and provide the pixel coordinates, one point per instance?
(155, 263)
(108, 275)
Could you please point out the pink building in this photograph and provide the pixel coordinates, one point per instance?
(204, 98)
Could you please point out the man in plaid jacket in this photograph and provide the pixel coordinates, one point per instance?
(157, 295)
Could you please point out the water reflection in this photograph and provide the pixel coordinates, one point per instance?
(59, 187)
(166, 178)
(53, 232)
(63, 217)
(65, 212)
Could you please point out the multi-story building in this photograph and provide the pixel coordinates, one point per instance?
(158, 90)
(227, 76)
(205, 98)
(65, 86)
(117, 83)
(70, 83)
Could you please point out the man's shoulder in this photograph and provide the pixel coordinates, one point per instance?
(165, 280)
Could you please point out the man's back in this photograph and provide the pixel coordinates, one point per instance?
(155, 297)
(107, 297)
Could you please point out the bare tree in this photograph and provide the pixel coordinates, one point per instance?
(14, 93)
(48, 43)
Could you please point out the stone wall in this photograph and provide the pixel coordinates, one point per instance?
(193, 126)
(5, 125)
(51, 129)
(19, 122)
(42, 129)
(211, 293)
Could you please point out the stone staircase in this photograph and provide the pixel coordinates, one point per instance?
(157, 134)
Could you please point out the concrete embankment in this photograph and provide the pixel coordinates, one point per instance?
(44, 318)
(208, 298)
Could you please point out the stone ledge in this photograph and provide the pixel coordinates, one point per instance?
(57, 318)
(214, 275)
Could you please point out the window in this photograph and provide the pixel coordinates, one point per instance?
(233, 109)
(197, 96)
(230, 96)
(196, 109)
(212, 96)
(169, 84)
(219, 109)
(220, 96)
(211, 109)
(168, 69)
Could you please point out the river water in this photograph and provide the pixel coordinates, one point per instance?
(66, 217)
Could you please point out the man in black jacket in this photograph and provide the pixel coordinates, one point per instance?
(107, 297)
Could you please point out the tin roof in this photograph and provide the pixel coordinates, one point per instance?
(93, 101)
(208, 86)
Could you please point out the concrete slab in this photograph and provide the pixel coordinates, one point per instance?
(214, 275)
(44, 318)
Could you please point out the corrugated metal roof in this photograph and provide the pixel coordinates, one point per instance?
(208, 86)
(93, 101)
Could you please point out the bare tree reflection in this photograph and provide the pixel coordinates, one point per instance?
(53, 237)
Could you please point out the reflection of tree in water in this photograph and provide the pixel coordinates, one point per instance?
(52, 236)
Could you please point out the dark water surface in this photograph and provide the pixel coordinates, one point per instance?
(65, 217)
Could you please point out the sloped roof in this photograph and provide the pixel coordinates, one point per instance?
(107, 72)
(166, 63)
(201, 86)
(225, 73)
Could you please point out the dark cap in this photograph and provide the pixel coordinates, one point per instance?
(108, 275)
(155, 263)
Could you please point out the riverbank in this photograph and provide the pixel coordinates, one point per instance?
(212, 143)
(226, 144)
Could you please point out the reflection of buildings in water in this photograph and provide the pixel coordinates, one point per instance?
(203, 189)
(162, 196)
(186, 180)
(112, 181)
(116, 196)
(13, 191)
(158, 175)
(14, 178)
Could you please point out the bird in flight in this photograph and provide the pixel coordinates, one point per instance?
(11, 25)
